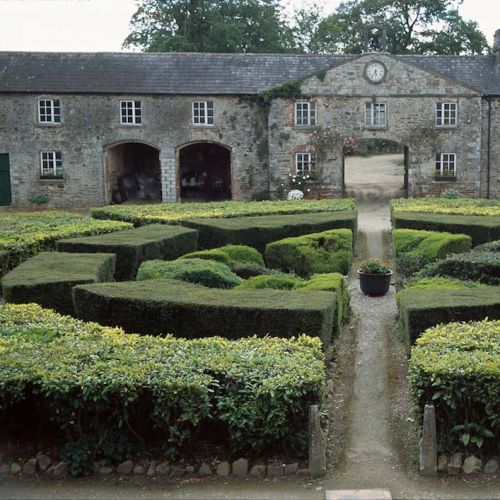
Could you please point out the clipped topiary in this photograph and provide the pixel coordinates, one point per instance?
(441, 283)
(208, 273)
(492, 246)
(326, 252)
(231, 255)
(276, 281)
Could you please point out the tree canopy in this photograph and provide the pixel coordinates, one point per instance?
(262, 26)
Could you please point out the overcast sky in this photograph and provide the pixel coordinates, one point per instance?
(102, 25)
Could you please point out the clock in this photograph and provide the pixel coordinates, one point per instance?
(375, 72)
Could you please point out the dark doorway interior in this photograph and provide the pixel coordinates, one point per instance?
(5, 193)
(134, 173)
(205, 172)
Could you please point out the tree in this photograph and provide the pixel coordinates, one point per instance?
(210, 26)
(413, 27)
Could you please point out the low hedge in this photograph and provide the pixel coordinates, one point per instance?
(325, 252)
(492, 246)
(208, 273)
(231, 255)
(420, 309)
(274, 281)
(457, 368)
(257, 232)
(483, 267)
(101, 387)
(49, 277)
(191, 311)
(481, 229)
(25, 234)
(177, 213)
(474, 207)
(134, 246)
(441, 283)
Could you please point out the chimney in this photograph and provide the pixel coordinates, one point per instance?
(496, 45)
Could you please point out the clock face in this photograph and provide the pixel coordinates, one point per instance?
(375, 72)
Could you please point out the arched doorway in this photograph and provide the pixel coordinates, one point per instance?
(204, 172)
(375, 169)
(133, 173)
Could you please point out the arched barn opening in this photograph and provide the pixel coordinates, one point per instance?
(376, 169)
(205, 172)
(133, 173)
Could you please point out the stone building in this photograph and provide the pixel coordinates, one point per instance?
(91, 129)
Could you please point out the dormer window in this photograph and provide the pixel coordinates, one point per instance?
(305, 114)
(49, 111)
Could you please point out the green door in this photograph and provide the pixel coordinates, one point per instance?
(5, 195)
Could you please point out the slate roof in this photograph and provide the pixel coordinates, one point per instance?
(196, 73)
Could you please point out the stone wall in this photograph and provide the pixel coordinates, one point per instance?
(91, 124)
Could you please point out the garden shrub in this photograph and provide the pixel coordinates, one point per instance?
(457, 367)
(422, 308)
(325, 252)
(104, 390)
(445, 206)
(492, 246)
(472, 266)
(246, 271)
(481, 229)
(135, 246)
(231, 255)
(4, 262)
(188, 310)
(177, 213)
(208, 273)
(275, 281)
(49, 277)
(214, 254)
(441, 283)
(257, 232)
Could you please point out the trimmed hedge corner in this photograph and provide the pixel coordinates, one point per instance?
(146, 391)
(208, 273)
(257, 232)
(187, 310)
(420, 309)
(472, 266)
(48, 278)
(135, 246)
(457, 367)
(325, 252)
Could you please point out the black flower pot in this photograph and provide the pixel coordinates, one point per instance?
(374, 284)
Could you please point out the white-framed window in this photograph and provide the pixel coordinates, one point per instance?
(446, 114)
(376, 114)
(446, 164)
(51, 164)
(130, 112)
(305, 114)
(49, 111)
(203, 112)
(305, 163)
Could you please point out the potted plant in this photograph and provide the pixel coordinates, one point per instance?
(374, 277)
(39, 201)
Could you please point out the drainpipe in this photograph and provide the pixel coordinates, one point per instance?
(488, 154)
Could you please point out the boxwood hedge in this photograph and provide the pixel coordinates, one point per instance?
(459, 206)
(325, 252)
(176, 213)
(257, 232)
(492, 246)
(274, 281)
(231, 255)
(49, 277)
(134, 246)
(25, 234)
(94, 382)
(208, 273)
(457, 368)
(188, 310)
(483, 267)
(422, 308)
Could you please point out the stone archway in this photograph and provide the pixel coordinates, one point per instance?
(204, 172)
(132, 172)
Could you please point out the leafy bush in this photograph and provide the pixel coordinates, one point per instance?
(104, 389)
(492, 246)
(472, 266)
(447, 206)
(374, 266)
(246, 271)
(39, 199)
(451, 194)
(191, 311)
(135, 246)
(441, 283)
(25, 234)
(208, 273)
(49, 277)
(457, 367)
(329, 251)
(257, 232)
(231, 255)
(481, 229)
(421, 308)
(215, 254)
(276, 281)
(176, 213)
